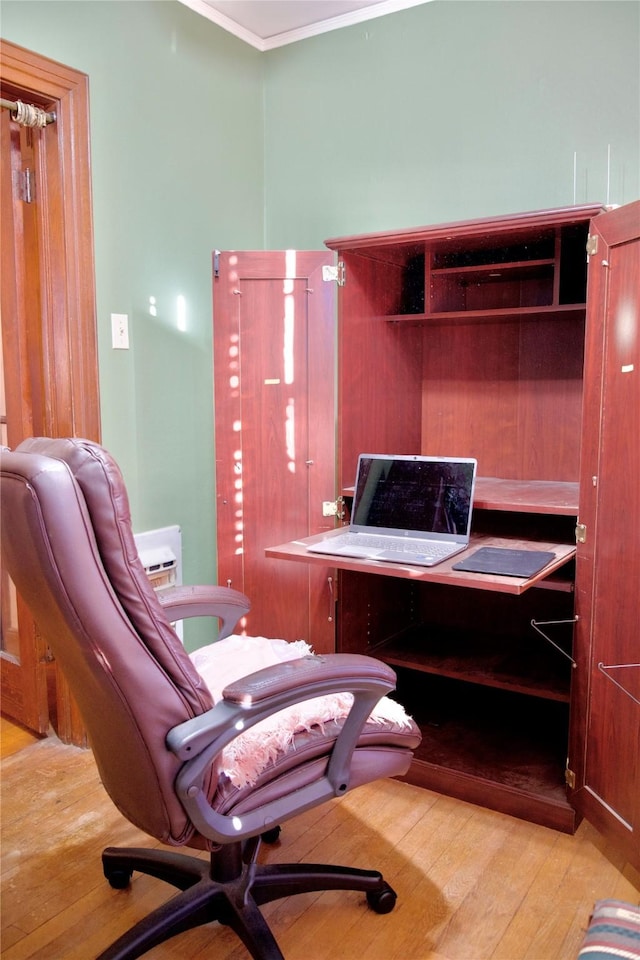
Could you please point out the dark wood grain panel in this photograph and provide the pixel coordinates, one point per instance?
(470, 395)
(379, 379)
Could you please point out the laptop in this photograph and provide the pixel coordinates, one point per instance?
(407, 509)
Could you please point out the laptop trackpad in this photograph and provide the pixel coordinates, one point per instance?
(396, 556)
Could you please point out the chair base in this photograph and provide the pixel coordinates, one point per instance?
(229, 888)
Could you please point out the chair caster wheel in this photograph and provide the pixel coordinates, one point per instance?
(119, 879)
(383, 901)
(271, 836)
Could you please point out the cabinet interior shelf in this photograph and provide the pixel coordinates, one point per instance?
(457, 749)
(479, 272)
(515, 314)
(479, 658)
(555, 497)
(494, 738)
(526, 496)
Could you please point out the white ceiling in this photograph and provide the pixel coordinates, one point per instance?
(266, 24)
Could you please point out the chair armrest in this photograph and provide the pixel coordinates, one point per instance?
(291, 676)
(260, 695)
(226, 604)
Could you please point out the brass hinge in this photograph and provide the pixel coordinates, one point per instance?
(334, 508)
(334, 274)
(570, 778)
(27, 186)
(581, 533)
(592, 244)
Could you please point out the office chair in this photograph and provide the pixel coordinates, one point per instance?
(156, 735)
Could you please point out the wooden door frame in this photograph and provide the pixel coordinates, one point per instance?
(66, 339)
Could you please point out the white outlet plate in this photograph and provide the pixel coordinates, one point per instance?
(120, 331)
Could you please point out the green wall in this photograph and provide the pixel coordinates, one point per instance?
(177, 170)
(452, 110)
(441, 112)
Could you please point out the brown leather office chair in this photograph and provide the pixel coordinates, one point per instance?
(155, 733)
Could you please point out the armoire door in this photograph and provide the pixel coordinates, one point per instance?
(275, 434)
(606, 756)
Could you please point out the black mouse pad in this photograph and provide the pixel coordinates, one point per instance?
(505, 562)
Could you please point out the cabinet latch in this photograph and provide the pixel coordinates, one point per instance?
(592, 244)
(581, 533)
(334, 274)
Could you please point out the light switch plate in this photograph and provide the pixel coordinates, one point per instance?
(120, 331)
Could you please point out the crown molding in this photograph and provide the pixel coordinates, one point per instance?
(300, 33)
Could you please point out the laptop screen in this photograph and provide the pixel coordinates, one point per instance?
(414, 494)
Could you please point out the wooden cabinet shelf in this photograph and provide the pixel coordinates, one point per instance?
(492, 271)
(514, 285)
(495, 748)
(547, 497)
(501, 662)
(571, 311)
(523, 269)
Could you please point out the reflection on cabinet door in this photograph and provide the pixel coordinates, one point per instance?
(274, 425)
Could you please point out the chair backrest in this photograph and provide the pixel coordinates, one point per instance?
(68, 546)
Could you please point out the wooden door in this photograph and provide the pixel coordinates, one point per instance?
(606, 751)
(49, 352)
(275, 435)
(22, 652)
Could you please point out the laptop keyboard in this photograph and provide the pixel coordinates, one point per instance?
(430, 548)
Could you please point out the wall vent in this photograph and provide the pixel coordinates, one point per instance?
(160, 553)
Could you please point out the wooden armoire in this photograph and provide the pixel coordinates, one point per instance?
(515, 340)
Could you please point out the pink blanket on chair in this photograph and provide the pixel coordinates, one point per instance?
(234, 657)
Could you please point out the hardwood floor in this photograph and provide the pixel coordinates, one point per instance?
(13, 737)
(472, 884)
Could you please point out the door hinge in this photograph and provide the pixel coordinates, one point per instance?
(335, 274)
(592, 244)
(216, 264)
(27, 186)
(329, 508)
(570, 778)
(581, 533)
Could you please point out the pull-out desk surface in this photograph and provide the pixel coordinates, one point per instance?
(442, 572)
(541, 498)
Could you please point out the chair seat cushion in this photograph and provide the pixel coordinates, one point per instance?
(383, 750)
(614, 931)
(277, 741)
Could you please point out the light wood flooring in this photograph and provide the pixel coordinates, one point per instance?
(472, 884)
